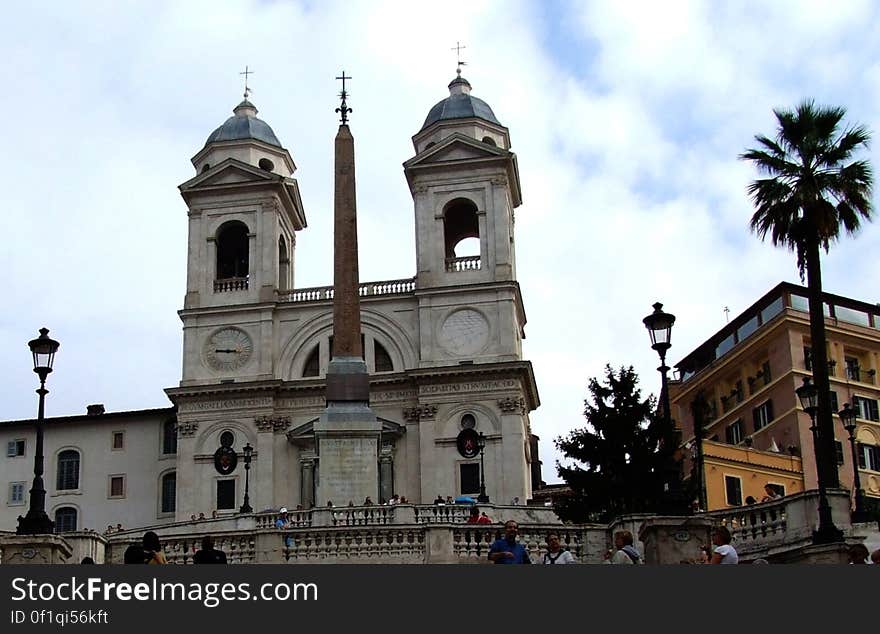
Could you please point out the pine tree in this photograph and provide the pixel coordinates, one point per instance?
(616, 462)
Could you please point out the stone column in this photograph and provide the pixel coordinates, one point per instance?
(282, 486)
(386, 473)
(261, 477)
(307, 480)
(508, 473)
(186, 496)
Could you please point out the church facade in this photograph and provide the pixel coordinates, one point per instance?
(443, 348)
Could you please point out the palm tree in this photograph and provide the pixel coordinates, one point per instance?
(812, 189)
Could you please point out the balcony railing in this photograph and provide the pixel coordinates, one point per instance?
(367, 289)
(855, 373)
(457, 265)
(231, 284)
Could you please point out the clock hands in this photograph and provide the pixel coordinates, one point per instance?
(227, 350)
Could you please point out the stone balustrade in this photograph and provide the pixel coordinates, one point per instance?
(294, 519)
(468, 263)
(240, 548)
(231, 284)
(367, 289)
(375, 544)
(363, 516)
(86, 544)
(405, 533)
(441, 514)
(771, 528)
(470, 543)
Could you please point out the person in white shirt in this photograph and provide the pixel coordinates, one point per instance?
(624, 551)
(555, 554)
(723, 553)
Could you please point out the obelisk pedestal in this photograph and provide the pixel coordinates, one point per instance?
(347, 433)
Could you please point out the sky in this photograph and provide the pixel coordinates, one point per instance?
(627, 119)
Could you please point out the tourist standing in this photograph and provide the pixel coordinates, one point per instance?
(771, 494)
(476, 518)
(624, 551)
(208, 554)
(555, 553)
(153, 549)
(508, 550)
(723, 553)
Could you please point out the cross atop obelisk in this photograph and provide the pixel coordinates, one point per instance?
(343, 108)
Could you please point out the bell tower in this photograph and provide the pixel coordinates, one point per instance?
(244, 210)
(465, 185)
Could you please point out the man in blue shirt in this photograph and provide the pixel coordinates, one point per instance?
(507, 550)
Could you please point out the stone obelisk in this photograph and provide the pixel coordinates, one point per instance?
(347, 434)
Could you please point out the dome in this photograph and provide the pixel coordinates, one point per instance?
(244, 125)
(460, 104)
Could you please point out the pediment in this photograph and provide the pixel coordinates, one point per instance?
(304, 434)
(229, 172)
(457, 148)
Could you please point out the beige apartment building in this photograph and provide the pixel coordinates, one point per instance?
(748, 372)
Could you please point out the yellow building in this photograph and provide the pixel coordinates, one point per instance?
(748, 372)
(737, 474)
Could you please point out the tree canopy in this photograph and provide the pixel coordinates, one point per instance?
(812, 186)
(614, 462)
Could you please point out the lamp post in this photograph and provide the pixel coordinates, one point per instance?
(36, 522)
(659, 325)
(246, 507)
(827, 533)
(848, 416)
(481, 445)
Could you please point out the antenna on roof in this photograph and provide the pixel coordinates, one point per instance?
(727, 314)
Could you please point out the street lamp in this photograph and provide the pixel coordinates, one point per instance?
(481, 445)
(246, 507)
(659, 325)
(848, 416)
(36, 522)
(827, 533)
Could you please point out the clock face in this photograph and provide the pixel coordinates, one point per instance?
(228, 349)
(465, 332)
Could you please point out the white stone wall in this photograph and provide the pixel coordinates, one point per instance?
(141, 462)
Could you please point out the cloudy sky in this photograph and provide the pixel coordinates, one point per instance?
(627, 119)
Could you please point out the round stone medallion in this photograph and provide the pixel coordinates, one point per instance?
(464, 332)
